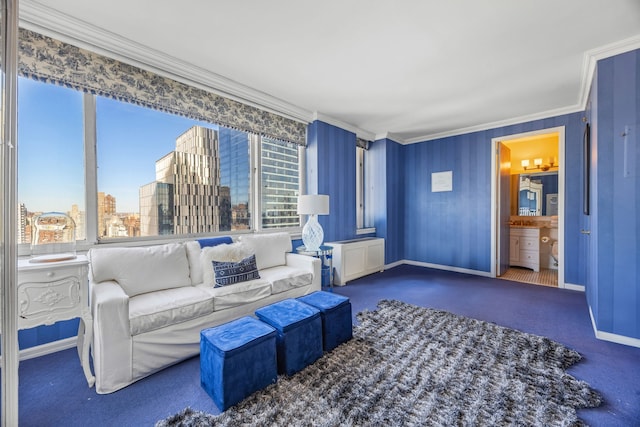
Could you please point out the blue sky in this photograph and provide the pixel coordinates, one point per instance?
(51, 152)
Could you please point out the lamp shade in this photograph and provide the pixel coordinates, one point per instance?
(313, 204)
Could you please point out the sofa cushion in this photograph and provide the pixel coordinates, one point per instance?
(142, 269)
(283, 278)
(227, 273)
(233, 252)
(159, 309)
(270, 249)
(238, 293)
(193, 255)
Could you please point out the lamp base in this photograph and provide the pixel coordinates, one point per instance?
(312, 234)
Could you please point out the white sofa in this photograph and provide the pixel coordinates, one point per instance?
(149, 304)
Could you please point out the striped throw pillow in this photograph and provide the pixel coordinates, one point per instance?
(228, 273)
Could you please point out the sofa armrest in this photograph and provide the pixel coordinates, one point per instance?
(309, 263)
(112, 344)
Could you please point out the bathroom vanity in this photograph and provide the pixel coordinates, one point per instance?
(524, 247)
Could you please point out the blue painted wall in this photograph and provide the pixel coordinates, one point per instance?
(454, 228)
(385, 160)
(451, 228)
(331, 169)
(615, 297)
(46, 334)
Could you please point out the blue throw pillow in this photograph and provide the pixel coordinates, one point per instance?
(228, 273)
(214, 241)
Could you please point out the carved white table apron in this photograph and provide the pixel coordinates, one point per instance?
(49, 292)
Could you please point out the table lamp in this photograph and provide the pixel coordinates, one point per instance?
(313, 205)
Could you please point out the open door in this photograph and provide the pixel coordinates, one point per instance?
(503, 206)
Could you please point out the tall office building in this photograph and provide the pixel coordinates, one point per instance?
(106, 209)
(185, 197)
(235, 175)
(280, 179)
(78, 217)
(156, 209)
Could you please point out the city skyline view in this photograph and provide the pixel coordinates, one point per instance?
(157, 173)
(131, 139)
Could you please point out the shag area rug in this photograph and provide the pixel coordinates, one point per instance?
(410, 365)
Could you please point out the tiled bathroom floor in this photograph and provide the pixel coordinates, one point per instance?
(545, 277)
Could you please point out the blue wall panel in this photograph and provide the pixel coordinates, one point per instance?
(394, 239)
(46, 334)
(331, 169)
(449, 228)
(385, 159)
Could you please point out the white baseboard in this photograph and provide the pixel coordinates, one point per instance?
(447, 268)
(393, 264)
(48, 348)
(608, 336)
(573, 287)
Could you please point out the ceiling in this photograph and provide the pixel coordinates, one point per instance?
(412, 70)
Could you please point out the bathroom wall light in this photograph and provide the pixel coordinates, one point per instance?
(537, 164)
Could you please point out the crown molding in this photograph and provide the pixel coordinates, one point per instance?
(392, 137)
(50, 22)
(591, 58)
(501, 123)
(360, 133)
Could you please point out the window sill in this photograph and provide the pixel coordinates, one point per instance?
(369, 230)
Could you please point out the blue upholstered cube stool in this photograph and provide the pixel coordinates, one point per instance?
(237, 359)
(335, 312)
(299, 330)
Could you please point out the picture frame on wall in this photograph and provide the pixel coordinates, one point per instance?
(586, 186)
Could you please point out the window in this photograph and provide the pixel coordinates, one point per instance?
(364, 194)
(158, 174)
(359, 188)
(50, 155)
(161, 174)
(280, 179)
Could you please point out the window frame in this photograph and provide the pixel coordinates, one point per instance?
(91, 191)
(364, 195)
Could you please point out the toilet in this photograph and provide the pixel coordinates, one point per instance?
(554, 248)
(554, 251)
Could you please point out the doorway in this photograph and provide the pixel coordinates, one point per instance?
(527, 194)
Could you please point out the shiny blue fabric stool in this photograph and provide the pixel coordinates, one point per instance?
(237, 359)
(299, 333)
(335, 312)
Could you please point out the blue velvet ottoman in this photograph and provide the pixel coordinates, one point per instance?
(237, 359)
(335, 312)
(299, 333)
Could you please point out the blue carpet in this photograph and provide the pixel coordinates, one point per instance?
(53, 390)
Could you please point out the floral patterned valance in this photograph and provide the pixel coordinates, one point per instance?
(45, 59)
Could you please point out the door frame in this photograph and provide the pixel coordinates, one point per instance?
(495, 202)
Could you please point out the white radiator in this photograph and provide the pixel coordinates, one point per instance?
(356, 258)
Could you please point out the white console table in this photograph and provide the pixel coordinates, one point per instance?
(49, 292)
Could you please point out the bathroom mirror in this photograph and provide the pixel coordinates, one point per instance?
(534, 194)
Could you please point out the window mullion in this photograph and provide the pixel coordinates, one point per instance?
(90, 168)
(256, 183)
